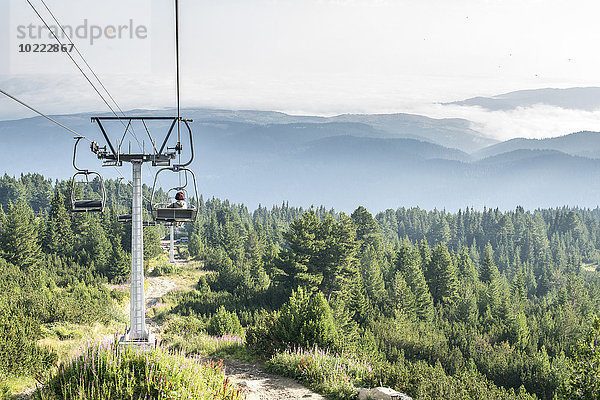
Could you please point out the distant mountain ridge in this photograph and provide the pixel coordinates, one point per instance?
(380, 150)
(380, 161)
(580, 98)
(448, 132)
(583, 144)
(452, 133)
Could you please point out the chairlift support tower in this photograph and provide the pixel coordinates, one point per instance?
(162, 157)
(171, 244)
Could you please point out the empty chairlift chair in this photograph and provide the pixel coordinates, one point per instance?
(120, 198)
(86, 205)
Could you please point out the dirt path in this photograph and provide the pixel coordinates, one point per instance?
(255, 383)
(158, 286)
(260, 385)
(251, 378)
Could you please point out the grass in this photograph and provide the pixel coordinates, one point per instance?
(106, 370)
(183, 274)
(333, 375)
(165, 269)
(226, 346)
(17, 384)
(68, 339)
(190, 274)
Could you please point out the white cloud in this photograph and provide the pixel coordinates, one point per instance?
(537, 122)
(66, 94)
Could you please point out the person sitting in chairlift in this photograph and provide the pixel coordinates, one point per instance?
(179, 201)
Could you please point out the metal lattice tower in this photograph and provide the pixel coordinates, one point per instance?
(137, 308)
(172, 245)
(161, 157)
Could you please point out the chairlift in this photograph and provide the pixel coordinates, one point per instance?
(86, 205)
(166, 212)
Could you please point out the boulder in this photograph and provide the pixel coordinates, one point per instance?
(363, 393)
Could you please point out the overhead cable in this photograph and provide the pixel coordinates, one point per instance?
(44, 115)
(128, 126)
(81, 69)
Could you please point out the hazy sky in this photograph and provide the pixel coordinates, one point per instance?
(318, 57)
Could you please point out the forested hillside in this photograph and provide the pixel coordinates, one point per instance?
(53, 267)
(378, 161)
(473, 304)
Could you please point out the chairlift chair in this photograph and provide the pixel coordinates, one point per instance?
(121, 217)
(86, 205)
(165, 212)
(124, 218)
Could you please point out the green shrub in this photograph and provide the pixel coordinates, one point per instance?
(305, 320)
(260, 337)
(585, 365)
(65, 333)
(182, 252)
(5, 392)
(166, 269)
(330, 374)
(113, 372)
(119, 295)
(185, 326)
(423, 381)
(19, 352)
(218, 346)
(206, 281)
(224, 322)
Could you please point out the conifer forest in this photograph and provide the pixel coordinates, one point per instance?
(437, 305)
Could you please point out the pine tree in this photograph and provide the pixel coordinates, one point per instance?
(425, 254)
(409, 263)
(321, 254)
(443, 283)
(488, 270)
(97, 247)
(151, 242)
(367, 230)
(11, 190)
(119, 264)
(58, 237)
(466, 269)
(357, 301)
(518, 329)
(473, 252)
(497, 294)
(371, 274)
(401, 296)
(519, 289)
(19, 238)
(466, 306)
(304, 243)
(440, 231)
(338, 259)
